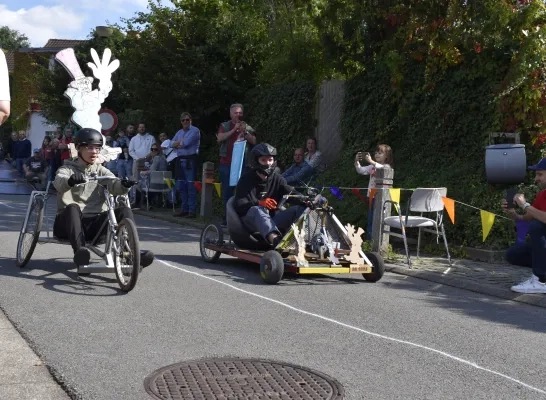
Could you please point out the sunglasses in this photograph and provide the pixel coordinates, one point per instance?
(186, 120)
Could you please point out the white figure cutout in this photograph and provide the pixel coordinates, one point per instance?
(356, 244)
(327, 239)
(86, 101)
(300, 239)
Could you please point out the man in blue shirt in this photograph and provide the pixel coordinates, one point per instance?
(300, 173)
(186, 142)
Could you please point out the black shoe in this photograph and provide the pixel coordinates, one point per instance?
(190, 215)
(146, 258)
(82, 257)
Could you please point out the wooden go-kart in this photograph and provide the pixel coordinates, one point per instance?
(317, 243)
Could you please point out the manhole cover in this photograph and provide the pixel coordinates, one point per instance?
(234, 378)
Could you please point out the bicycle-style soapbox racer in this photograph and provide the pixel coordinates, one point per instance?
(317, 243)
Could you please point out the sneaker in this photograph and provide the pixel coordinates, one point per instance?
(82, 257)
(146, 258)
(530, 286)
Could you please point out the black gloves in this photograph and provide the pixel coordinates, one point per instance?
(127, 183)
(76, 178)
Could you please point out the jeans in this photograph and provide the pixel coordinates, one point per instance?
(185, 184)
(227, 191)
(257, 219)
(19, 165)
(112, 166)
(369, 227)
(125, 168)
(531, 253)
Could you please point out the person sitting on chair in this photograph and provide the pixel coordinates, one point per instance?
(259, 191)
(82, 209)
(36, 170)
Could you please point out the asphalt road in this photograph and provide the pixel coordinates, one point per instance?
(400, 338)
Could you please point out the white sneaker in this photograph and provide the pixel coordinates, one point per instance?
(530, 286)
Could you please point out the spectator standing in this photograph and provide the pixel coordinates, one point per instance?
(228, 133)
(186, 142)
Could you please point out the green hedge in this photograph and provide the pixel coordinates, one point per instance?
(438, 133)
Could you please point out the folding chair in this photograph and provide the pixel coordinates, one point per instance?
(156, 184)
(423, 200)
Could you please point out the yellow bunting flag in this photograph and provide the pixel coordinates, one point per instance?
(218, 187)
(169, 183)
(487, 222)
(395, 195)
(449, 205)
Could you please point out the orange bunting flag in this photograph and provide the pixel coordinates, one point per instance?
(198, 185)
(487, 222)
(449, 205)
(218, 187)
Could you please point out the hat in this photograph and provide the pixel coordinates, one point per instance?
(540, 166)
(36, 150)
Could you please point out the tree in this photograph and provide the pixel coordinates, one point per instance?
(11, 40)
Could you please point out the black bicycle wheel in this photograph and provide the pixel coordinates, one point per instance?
(127, 255)
(214, 235)
(28, 237)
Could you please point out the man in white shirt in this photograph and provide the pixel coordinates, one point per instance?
(4, 89)
(168, 151)
(140, 148)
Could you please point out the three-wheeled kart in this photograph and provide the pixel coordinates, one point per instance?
(317, 243)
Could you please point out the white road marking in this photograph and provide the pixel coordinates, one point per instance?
(6, 205)
(447, 270)
(355, 328)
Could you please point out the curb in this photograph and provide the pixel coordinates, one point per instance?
(538, 300)
(490, 290)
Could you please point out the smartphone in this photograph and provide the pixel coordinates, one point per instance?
(509, 196)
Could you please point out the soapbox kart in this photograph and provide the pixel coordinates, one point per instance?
(316, 243)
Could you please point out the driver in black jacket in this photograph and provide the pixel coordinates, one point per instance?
(259, 191)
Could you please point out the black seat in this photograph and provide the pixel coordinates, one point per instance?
(239, 234)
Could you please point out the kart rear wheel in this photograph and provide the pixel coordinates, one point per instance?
(378, 267)
(28, 237)
(127, 255)
(272, 267)
(214, 235)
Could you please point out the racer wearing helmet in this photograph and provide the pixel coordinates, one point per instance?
(259, 191)
(81, 205)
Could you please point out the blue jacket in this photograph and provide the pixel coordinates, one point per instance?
(298, 174)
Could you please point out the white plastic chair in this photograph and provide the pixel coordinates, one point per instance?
(423, 200)
(155, 183)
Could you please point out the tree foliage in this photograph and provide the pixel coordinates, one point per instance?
(11, 39)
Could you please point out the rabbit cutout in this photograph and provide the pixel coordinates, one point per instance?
(85, 100)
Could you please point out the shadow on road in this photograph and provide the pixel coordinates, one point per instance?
(59, 275)
(241, 271)
(476, 305)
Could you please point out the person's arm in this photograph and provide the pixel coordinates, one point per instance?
(132, 151)
(26, 167)
(176, 140)
(244, 196)
(192, 138)
(288, 173)
(367, 170)
(61, 180)
(303, 174)
(250, 135)
(531, 212)
(5, 97)
(221, 136)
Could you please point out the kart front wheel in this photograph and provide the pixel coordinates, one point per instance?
(378, 267)
(30, 232)
(272, 267)
(127, 255)
(212, 235)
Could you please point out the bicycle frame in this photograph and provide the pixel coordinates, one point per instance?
(110, 224)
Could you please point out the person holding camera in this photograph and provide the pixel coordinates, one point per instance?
(533, 252)
(383, 159)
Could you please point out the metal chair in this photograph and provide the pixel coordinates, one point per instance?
(155, 183)
(423, 200)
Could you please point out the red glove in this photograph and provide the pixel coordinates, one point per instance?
(268, 203)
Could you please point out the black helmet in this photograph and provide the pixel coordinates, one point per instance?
(87, 136)
(264, 149)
